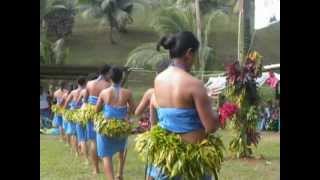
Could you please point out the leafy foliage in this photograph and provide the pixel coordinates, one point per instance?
(53, 53)
(57, 16)
(172, 20)
(177, 158)
(116, 13)
(242, 90)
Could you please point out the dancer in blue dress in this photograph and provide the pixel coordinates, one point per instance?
(74, 129)
(181, 101)
(58, 94)
(65, 122)
(93, 89)
(117, 104)
(143, 106)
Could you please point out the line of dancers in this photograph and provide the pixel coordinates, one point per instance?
(178, 104)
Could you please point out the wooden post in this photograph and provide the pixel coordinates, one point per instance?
(198, 20)
(246, 28)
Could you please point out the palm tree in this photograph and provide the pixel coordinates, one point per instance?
(171, 20)
(117, 13)
(57, 16)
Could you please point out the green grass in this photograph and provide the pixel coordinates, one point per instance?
(56, 161)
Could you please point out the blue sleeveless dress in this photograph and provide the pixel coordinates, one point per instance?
(91, 133)
(108, 146)
(176, 120)
(71, 126)
(57, 119)
(80, 130)
(65, 122)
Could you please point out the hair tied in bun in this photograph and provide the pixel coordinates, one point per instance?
(167, 42)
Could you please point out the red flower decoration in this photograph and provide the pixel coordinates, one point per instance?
(226, 111)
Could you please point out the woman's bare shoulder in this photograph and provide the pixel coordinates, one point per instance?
(127, 91)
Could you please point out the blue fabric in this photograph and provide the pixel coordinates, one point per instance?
(91, 133)
(75, 105)
(92, 100)
(71, 128)
(81, 133)
(176, 120)
(107, 146)
(117, 112)
(64, 124)
(179, 120)
(155, 172)
(57, 121)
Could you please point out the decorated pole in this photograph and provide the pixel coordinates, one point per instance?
(241, 90)
(246, 29)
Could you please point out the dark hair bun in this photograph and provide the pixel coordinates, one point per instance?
(167, 42)
(179, 43)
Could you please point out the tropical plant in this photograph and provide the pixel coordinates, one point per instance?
(53, 53)
(116, 13)
(242, 90)
(57, 16)
(171, 20)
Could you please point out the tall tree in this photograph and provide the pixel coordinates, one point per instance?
(57, 16)
(116, 13)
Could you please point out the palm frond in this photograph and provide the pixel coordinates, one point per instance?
(210, 21)
(172, 20)
(146, 54)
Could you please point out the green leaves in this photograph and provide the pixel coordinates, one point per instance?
(177, 158)
(145, 54)
(112, 127)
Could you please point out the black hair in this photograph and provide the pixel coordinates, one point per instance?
(81, 81)
(116, 74)
(92, 76)
(179, 43)
(71, 86)
(162, 65)
(62, 84)
(105, 69)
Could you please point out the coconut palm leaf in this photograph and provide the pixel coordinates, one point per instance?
(145, 54)
(172, 20)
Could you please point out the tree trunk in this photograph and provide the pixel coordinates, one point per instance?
(198, 20)
(246, 28)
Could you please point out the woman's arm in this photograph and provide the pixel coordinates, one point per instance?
(153, 113)
(68, 100)
(131, 106)
(144, 102)
(208, 118)
(100, 102)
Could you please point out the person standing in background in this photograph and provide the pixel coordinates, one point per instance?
(44, 105)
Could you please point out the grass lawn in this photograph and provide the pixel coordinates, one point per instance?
(57, 163)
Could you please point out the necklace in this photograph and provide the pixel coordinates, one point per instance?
(181, 66)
